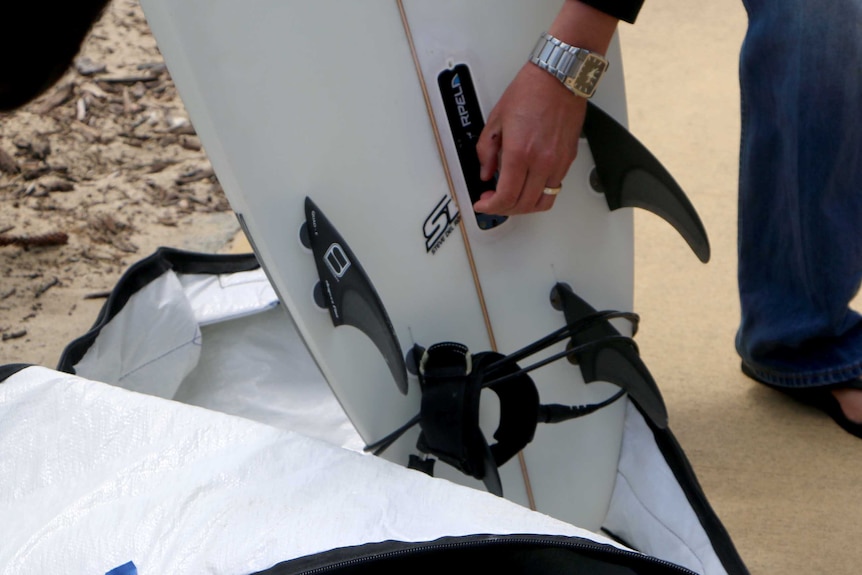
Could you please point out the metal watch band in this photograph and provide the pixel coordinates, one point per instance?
(561, 60)
(555, 56)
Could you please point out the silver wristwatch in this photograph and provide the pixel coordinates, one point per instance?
(579, 70)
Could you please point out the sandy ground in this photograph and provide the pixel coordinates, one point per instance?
(94, 176)
(782, 477)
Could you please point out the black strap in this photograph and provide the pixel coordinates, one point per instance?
(519, 407)
(7, 371)
(451, 380)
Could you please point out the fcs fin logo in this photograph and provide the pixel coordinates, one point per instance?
(460, 101)
(337, 261)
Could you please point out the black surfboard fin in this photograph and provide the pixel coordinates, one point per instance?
(630, 176)
(615, 362)
(348, 292)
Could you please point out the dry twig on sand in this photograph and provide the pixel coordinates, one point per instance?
(42, 240)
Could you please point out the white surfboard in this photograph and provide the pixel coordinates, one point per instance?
(328, 100)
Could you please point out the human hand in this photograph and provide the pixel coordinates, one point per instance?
(531, 138)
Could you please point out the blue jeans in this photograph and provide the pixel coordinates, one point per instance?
(800, 191)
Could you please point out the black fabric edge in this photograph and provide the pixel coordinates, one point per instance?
(611, 535)
(685, 476)
(10, 369)
(331, 561)
(141, 274)
(625, 10)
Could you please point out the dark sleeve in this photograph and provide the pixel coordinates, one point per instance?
(626, 10)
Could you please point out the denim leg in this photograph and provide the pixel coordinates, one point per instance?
(800, 191)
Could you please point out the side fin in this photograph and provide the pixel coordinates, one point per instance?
(630, 176)
(616, 362)
(348, 292)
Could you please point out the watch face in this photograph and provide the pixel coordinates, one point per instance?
(589, 74)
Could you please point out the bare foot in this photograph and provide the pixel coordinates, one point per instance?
(851, 403)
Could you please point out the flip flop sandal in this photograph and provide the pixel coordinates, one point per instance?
(819, 397)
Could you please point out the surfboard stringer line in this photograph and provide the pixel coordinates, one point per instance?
(480, 294)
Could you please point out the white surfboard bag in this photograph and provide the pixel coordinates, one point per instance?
(197, 436)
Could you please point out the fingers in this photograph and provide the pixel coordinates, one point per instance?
(521, 184)
(545, 203)
(533, 194)
(507, 197)
(488, 150)
(555, 180)
(531, 139)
